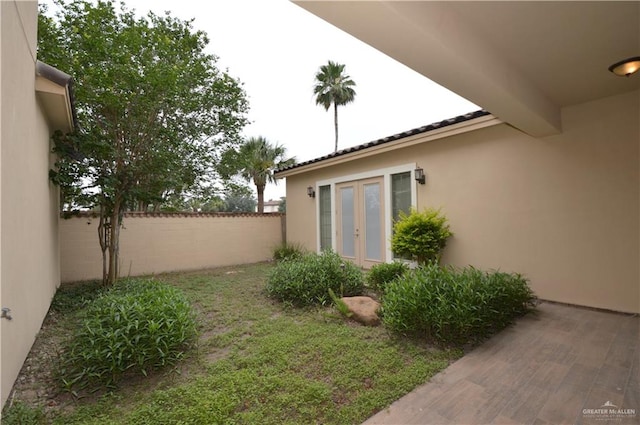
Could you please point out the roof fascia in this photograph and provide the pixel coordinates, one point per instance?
(436, 134)
(55, 89)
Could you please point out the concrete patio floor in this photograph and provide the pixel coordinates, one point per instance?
(559, 365)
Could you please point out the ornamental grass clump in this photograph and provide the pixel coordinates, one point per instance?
(420, 236)
(455, 306)
(306, 280)
(137, 326)
(288, 251)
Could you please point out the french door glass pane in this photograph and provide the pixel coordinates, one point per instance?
(325, 217)
(348, 225)
(373, 230)
(400, 194)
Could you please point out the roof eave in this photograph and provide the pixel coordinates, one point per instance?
(55, 90)
(380, 146)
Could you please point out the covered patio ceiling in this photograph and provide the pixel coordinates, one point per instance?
(522, 61)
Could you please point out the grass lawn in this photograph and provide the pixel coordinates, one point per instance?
(257, 362)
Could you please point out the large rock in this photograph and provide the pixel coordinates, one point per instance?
(364, 309)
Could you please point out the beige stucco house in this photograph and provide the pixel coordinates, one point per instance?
(546, 183)
(36, 101)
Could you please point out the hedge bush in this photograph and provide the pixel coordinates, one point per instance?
(138, 325)
(306, 280)
(420, 236)
(382, 274)
(454, 306)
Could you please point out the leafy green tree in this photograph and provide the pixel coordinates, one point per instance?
(238, 197)
(282, 206)
(256, 160)
(154, 111)
(333, 87)
(213, 203)
(237, 202)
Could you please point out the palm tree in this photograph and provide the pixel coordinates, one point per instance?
(335, 87)
(258, 159)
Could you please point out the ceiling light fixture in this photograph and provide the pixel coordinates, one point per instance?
(626, 67)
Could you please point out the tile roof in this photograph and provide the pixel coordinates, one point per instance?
(419, 130)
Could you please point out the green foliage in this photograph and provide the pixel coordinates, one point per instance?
(333, 87)
(150, 82)
(288, 251)
(71, 297)
(20, 413)
(154, 112)
(282, 207)
(307, 280)
(381, 274)
(239, 203)
(138, 325)
(420, 236)
(454, 306)
(256, 160)
(259, 364)
(340, 305)
(200, 203)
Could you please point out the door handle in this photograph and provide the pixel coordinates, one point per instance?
(357, 233)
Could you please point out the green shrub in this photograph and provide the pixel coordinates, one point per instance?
(20, 413)
(381, 274)
(288, 251)
(73, 296)
(454, 306)
(420, 236)
(307, 280)
(138, 325)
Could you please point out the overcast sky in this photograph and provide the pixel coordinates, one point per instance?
(275, 49)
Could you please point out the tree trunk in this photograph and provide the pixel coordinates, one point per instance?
(109, 236)
(114, 246)
(260, 198)
(335, 121)
(103, 236)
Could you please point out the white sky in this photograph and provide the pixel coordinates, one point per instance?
(275, 49)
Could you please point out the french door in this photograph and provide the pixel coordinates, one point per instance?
(360, 221)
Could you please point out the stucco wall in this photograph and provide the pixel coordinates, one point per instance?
(29, 255)
(563, 210)
(154, 244)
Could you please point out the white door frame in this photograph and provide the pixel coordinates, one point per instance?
(386, 175)
(361, 237)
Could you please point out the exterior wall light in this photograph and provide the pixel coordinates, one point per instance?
(419, 175)
(311, 192)
(626, 67)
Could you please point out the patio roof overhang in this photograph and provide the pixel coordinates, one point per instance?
(523, 61)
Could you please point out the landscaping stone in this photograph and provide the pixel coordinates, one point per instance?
(364, 309)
